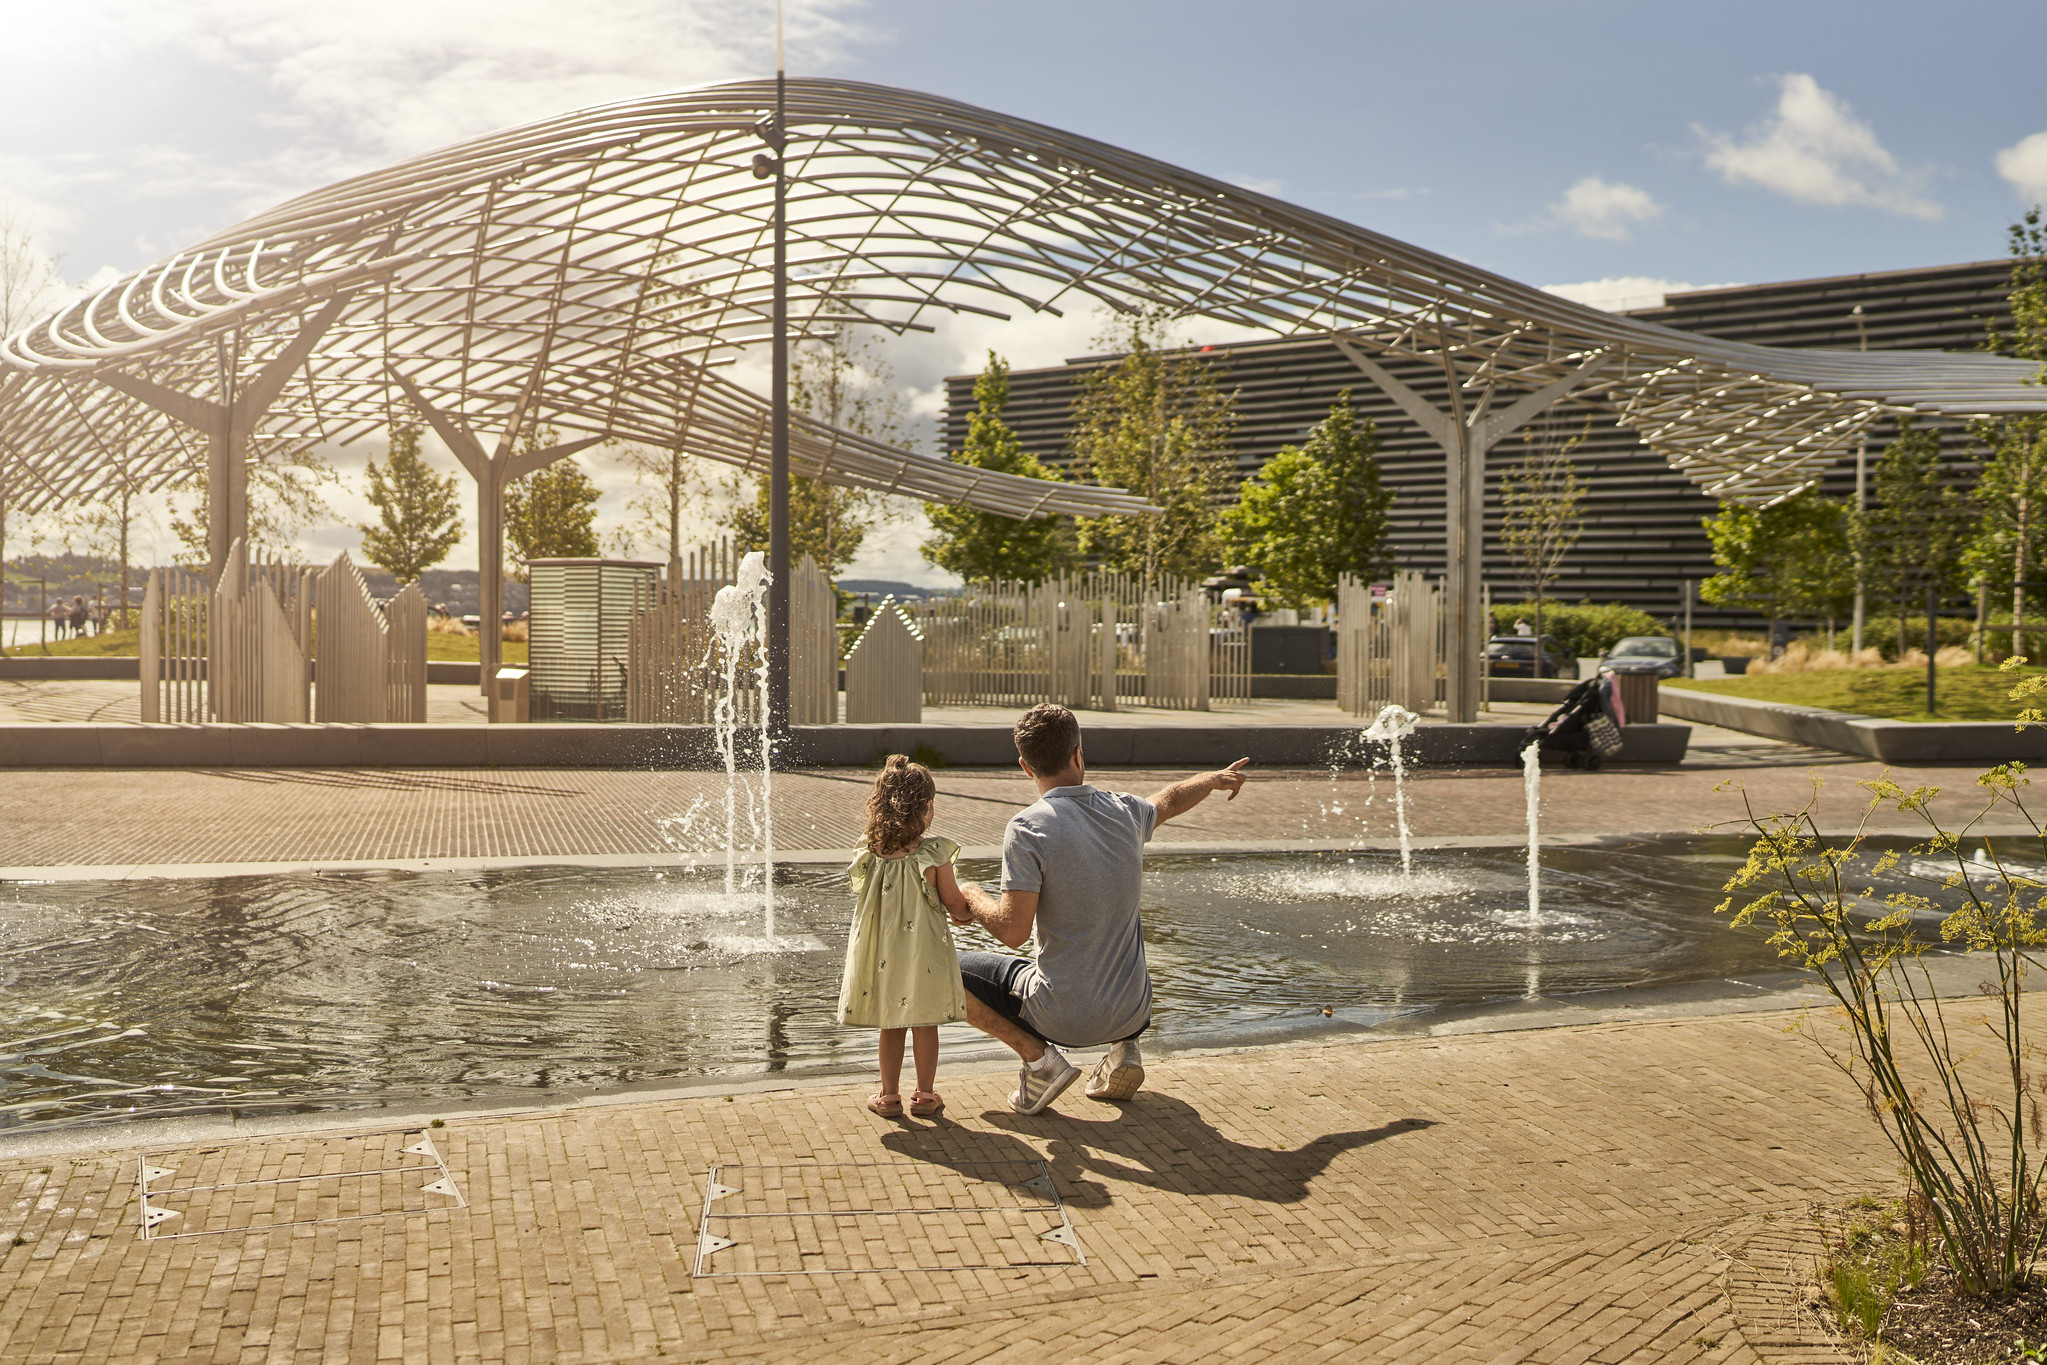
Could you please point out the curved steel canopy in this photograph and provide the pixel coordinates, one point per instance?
(620, 256)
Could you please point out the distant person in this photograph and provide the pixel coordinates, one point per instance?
(1522, 628)
(1073, 869)
(60, 617)
(902, 975)
(78, 617)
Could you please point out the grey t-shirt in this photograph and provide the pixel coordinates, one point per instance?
(1082, 850)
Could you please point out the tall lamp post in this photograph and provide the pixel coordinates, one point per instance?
(775, 133)
(1861, 497)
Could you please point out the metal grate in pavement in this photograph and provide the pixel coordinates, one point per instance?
(331, 1181)
(854, 1218)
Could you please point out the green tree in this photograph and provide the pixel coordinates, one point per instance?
(551, 513)
(1916, 529)
(1542, 499)
(1315, 511)
(1156, 423)
(843, 382)
(418, 511)
(2012, 492)
(1791, 559)
(976, 544)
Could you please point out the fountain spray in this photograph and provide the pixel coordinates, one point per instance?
(739, 619)
(1531, 786)
(1396, 722)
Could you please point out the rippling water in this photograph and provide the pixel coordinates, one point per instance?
(331, 990)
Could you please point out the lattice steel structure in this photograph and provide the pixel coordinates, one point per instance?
(596, 272)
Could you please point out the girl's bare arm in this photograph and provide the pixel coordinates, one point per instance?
(949, 894)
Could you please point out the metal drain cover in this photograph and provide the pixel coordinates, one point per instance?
(803, 1218)
(255, 1187)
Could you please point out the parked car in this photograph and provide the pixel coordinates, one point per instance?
(1516, 656)
(1657, 654)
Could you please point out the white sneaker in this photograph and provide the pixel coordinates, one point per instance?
(1042, 1081)
(1118, 1075)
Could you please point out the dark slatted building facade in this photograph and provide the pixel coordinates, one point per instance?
(1642, 538)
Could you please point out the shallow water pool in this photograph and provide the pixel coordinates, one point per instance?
(287, 992)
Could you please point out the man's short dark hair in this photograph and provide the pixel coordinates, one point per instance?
(1047, 737)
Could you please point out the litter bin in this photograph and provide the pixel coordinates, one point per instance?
(1638, 696)
(510, 700)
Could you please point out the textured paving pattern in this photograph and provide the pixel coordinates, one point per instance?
(125, 818)
(1561, 1196)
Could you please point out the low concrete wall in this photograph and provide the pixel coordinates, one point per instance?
(128, 668)
(1889, 741)
(1551, 690)
(67, 668)
(690, 746)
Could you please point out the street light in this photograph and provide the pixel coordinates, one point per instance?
(1861, 494)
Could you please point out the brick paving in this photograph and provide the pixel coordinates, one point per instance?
(1611, 1192)
(118, 818)
(1559, 1196)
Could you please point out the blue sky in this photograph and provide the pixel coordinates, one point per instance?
(1563, 144)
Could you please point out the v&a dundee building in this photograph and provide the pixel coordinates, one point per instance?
(1642, 536)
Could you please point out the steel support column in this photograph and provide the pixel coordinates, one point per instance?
(228, 423)
(494, 473)
(1466, 438)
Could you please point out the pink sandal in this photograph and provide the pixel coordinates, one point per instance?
(926, 1104)
(888, 1106)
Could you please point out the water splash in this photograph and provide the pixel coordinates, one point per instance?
(1531, 787)
(739, 620)
(1394, 724)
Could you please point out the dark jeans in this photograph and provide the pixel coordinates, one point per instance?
(991, 979)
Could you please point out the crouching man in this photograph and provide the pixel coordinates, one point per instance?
(1073, 867)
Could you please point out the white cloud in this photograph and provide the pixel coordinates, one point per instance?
(1605, 210)
(1814, 150)
(395, 77)
(2024, 164)
(1257, 184)
(1618, 293)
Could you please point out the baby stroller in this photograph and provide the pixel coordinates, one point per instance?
(1571, 729)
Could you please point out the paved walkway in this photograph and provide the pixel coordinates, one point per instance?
(115, 819)
(1557, 1196)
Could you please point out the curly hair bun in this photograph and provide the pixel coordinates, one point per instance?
(902, 792)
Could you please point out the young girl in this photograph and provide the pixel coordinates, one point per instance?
(901, 971)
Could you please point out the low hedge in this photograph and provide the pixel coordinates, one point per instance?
(1580, 629)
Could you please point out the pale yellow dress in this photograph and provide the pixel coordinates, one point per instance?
(901, 969)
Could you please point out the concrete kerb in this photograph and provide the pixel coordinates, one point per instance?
(653, 747)
(1887, 741)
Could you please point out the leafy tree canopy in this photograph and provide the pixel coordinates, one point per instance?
(976, 544)
(1156, 423)
(418, 511)
(1791, 559)
(1315, 511)
(551, 513)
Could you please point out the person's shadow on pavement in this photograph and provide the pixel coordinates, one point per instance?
(1156, 1140)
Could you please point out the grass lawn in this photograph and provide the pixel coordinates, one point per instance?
(1966, 693)
(439, 645)
(114, 642)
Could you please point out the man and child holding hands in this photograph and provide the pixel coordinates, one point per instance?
(1072, 870)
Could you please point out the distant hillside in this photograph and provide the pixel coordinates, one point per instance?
(66, 576)
(879, 588)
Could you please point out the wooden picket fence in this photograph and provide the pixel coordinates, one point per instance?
(1083, 640)
(1391, 649)
(174, 647)
(672, 675)
(885, 670)
(371, 655)
(277, 643)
